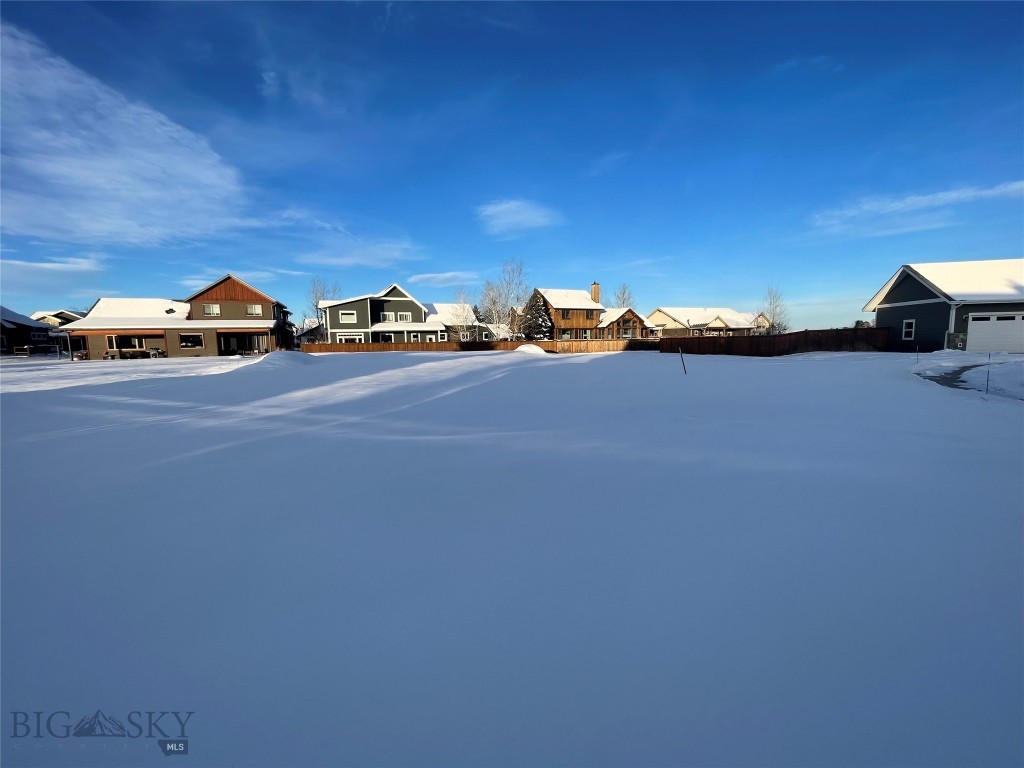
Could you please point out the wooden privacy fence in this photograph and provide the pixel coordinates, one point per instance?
(562, 347)
(832, 340)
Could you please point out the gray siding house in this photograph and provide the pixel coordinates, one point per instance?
(973, 305)
(390, 316)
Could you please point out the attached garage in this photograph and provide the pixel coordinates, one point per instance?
(995, 332)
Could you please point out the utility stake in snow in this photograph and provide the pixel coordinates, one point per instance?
(988, 372)
(681, 360)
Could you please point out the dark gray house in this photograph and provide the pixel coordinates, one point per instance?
(391, 316)
(973, 305)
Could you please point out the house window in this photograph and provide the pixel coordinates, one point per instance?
(190, 340)
(566, 335)
(442, 337)
(387, 317)
(347, 318)
(566, 314)
(254, 310)
(590, 314)
(487, 336)
(211, 310)
(405, 317)
(627, 333)
(983, 319)
(387, 338)
(415, 337)
(464, 336)
(908, 329)
(1006, 317)
(585, 334)
(348, 338)
(111, 342)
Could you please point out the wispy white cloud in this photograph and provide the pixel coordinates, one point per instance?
(508, 218)
(82, 163)
(880, 216)
(444, 279)
(606, 163)
(54, 275)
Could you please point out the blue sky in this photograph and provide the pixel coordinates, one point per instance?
(698, 152)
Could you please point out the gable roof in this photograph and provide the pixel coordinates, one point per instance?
(696, 317)
(230, 276)
(67, 313)
(560, 298)
(992, 280)
(452, 314)
(613, 314)
(325, 303)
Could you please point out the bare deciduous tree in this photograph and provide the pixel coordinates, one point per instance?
(774, 308)
(463, 317)
(509, 291)
(319, 290)
(624, 296)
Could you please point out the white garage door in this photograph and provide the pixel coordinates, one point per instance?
(995, 332)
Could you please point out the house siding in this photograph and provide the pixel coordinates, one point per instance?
(908, 288)
(931, 323)
(230, 310)
(395, 305)
(962, 311)
(360, 307)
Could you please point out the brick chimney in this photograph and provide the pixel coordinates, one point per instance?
(595, 292)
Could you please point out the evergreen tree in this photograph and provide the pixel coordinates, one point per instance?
(536, 322)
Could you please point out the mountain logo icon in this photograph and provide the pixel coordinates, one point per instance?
(99, 725)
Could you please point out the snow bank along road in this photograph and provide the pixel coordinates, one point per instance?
(507, 559)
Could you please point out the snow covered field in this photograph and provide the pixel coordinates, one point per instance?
(505, 559)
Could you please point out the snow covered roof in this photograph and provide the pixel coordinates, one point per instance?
(613, 314)
(389, 327)
(58, 313)
(992, 280)
(325, 303)
(567, 299)
(694, 317)
(11, 318)
(151, 314)
(153, 308)
(451, 314)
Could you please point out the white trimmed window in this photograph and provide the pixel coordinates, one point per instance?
(387, 317)
(442, 337)
(190, 340)
(346, 317)
(254, 310)
(387, 338)
(111, 342)
(414, 337)
(211, 310)
(405, 317)
(486, 336)
(585, 334)
(908, 329)
(465, 336)
(348, 338)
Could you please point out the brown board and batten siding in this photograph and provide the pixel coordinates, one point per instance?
(233, 296)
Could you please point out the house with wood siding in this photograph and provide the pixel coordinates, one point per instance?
(574, 314)
(624, 323)
(226, 317)
(972, 305)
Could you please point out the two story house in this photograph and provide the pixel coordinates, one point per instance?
(227, 317)
(390, 316)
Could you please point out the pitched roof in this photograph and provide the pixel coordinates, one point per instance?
(610, 316)
(451, 314)
(55, 313)
(325, 303)
(230, 276)
(694, 317)
(568, 299)
(991, 280)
